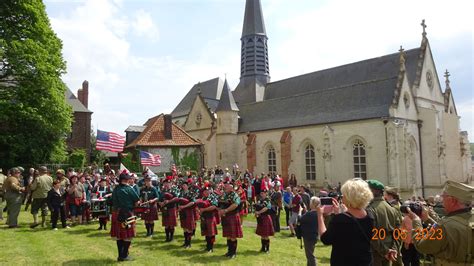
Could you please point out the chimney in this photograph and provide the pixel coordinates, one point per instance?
(168, 127)
(85, 94)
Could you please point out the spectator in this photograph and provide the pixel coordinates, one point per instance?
(305, 197)
(56, 198)
(349, 232)
(295, 210)
(309, 230)
(292, 182)
(287, 197)
(2, 192)
(77, 195)
(257, 185)
(13, 190)
(62, 178)
(40, 187)
(86, 205)
(410, 255)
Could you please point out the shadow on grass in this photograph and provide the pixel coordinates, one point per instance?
(89, 262)
(80, 231)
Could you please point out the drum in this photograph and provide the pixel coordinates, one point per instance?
(139, 211)
(99, 207)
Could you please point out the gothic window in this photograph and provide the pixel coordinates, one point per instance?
(271, 160)
(359, 157)
(310, 163)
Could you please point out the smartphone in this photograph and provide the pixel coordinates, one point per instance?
(326, 201)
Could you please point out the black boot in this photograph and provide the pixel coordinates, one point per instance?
(147, 229)
(185, 244)
(126, 246)
(211, 244)
(267, 245)
(263, 245)
(105, 224)
(208, 242)
(228, 248)
(120, 249)
(100, 225)
(167, 231)
(171, 234)
(152, 229)
(233, 250)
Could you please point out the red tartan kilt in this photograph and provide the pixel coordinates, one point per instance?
(188, 222)
(169, 217)
(231, 226)
(197, 216)
(117, 231)
(150, 215)
(208, 226)
(265, 226)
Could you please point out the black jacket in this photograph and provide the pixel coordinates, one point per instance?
(309, 225)
(56, 200)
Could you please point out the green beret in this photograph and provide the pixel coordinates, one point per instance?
(375, 184)
(458, 190)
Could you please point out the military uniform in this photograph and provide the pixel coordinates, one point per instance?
(453, 242)
(387, 218)
(40, 188)
(12, 189)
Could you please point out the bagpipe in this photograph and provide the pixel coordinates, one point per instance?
(258, 207)
(126, 218)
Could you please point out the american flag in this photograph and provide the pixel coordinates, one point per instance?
(109, 141)
(147, 158)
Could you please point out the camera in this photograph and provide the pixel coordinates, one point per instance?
(326, 201)
(414, 207)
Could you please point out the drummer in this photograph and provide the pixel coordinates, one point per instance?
(149, 196)
(103, 192)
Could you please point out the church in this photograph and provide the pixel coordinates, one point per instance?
(388, 118)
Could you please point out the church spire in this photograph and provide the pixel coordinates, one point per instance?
(226, 103)
(254, 66)
(446, 76)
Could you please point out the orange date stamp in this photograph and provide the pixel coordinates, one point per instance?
(402, 234)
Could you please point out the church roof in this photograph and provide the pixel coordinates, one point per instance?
(76, 105)
(253, 19)
(211, 92)
(226, 102)
(154, 135)
(357, 91)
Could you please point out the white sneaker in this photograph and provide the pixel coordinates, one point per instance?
(55, 229)
(67, 227)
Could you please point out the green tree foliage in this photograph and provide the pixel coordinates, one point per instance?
(77, 158)
(34, 117)
(131, 161)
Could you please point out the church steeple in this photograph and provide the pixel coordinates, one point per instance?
(226, 103)
(254, 67)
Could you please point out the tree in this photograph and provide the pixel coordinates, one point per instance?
(34, 116)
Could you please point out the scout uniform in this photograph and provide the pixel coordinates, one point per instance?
(208, 218)
(124, 199)
(231, 224)
(40, 188)
(386, 217)
(151, 215)
(264, 221)
(453, 243)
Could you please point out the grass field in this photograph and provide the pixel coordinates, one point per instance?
(84, 245)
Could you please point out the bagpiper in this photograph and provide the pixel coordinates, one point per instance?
(186, 212)
(169, 199)
(229, 208)
(209, 214)
(149, 196)
(124, 198)
(264, 220)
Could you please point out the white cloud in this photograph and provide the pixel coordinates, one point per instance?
(143, 25)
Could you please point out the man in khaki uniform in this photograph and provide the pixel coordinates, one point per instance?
(60, 175)
(13, 190)
(387, 250)
(453, 234)
(39, 193)
(2, 192)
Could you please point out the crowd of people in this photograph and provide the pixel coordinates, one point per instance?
(365, 222)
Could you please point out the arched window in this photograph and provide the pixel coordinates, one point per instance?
(360, 163)
(310, 162)
(272, 168)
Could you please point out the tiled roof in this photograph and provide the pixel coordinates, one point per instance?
(153, 135)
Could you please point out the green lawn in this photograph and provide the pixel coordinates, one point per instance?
(84, 245)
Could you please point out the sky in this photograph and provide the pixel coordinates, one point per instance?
(142, 56)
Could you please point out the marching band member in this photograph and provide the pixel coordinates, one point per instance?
(103, 191)
(186, 212)
(124, 198)
(169, 199)
(229, 209)
(264, 220)
(208, 210)
(149, 195)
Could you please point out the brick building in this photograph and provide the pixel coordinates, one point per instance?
(80, 137)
